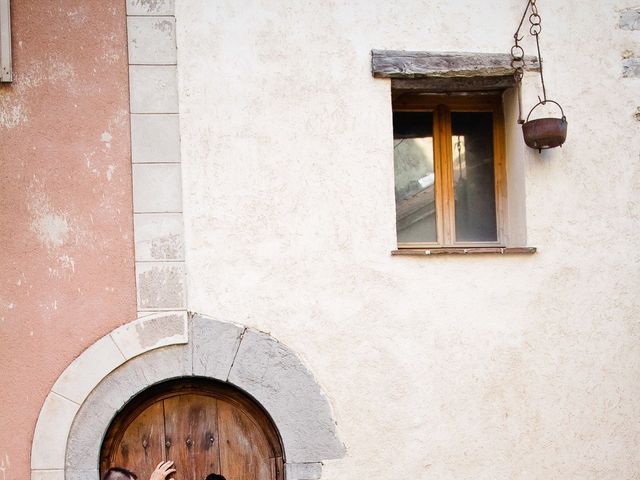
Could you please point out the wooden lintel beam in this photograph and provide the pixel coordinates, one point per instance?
(407, 64)
(452, 84)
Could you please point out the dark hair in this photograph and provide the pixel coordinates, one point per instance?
(215, 476)
(114, 473)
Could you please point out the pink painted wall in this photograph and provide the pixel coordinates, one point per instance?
(65, 203)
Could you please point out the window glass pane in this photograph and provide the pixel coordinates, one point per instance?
(473, 176)
(414, 176)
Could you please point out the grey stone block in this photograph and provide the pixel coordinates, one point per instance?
(113, 393)
(161, 285)
(630, 19)
(153, 89)
(82, 475)
(166, 363)
(631, 67)
(303, 471)
(150, 7)
(157, 188)
(158, 236)
(155, 138)
(215, 344)
(151, 40)
(87, 432)
(281, 383)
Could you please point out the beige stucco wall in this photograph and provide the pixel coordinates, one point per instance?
(483, 367)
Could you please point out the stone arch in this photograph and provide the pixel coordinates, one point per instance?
(89, 393)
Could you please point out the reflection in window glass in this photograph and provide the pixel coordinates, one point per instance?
(414, 177)
(473, 176)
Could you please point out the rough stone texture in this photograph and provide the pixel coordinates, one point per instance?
(630, 19)
(303, 471)
(274, 375)
(151, 332)
(167, 363)
(159, 236)
(214, 344)
(52, 430)
(88, 369)
(155, 138)
(153, 89)
(120, 386)
(48, 475)
(82, 475)
(161, 285)
(631, 67)
(157, 188)
(152, 40)
(150, 7)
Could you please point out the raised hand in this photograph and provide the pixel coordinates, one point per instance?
(163, 470)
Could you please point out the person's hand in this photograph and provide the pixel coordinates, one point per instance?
(162, 471)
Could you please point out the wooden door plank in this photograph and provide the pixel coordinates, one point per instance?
(245, 453)
(192, 435)
(141, 447)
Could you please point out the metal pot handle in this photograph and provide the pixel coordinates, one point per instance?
(543, 102)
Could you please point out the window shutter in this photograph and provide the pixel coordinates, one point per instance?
(5, 41)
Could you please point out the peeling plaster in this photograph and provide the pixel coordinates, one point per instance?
(105, 137)
(12, 115)
(4, 465)
(52, 229)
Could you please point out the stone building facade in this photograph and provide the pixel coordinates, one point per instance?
(206, 189)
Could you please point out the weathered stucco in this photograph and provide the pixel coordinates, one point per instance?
(519, 367)
(65, 204)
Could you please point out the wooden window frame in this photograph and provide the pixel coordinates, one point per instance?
(6, 73)
(441, 106)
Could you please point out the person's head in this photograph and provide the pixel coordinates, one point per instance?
(117, 473)
(215, 476)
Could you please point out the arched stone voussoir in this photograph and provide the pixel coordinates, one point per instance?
(81, 377)
(276, 377)
(214, 344)
(164, 346)
(114, 392)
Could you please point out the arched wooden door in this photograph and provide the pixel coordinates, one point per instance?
(203, 426)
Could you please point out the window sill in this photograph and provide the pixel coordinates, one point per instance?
(465, 251)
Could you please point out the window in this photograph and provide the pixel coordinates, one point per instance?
(5, 41)
(449, 170)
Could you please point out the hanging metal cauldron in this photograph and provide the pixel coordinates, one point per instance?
(541, 133)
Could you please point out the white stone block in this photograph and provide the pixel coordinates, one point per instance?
(52, 429)
(86, 371)
(155, 138)
(151, 332)
(153, 89)
(150, 7)
(157, 188)
(152, 40)
(158, 236)
(47, 475)
(161, 285)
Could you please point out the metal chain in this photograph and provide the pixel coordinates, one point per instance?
(517, 52)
